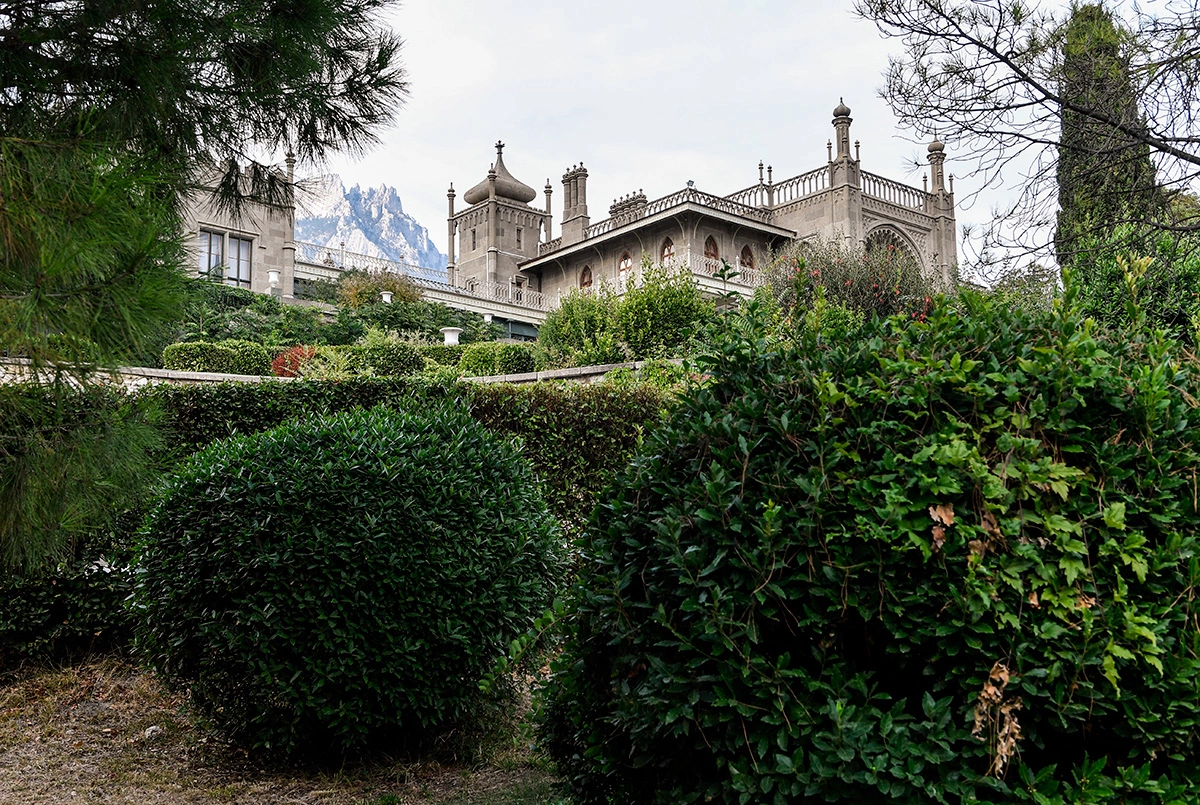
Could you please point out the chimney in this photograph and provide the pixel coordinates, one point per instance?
(575, 214)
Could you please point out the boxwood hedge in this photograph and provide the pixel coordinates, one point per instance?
(950, 561)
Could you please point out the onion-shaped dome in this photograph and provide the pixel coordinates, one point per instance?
(842, 110)
(507, 185)
(936, 147)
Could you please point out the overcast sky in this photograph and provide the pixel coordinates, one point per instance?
(647, 94)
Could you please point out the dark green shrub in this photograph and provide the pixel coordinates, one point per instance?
(576, 436)
(235, 357)
(445, 354)
(343, 578)
(1168, 296)
(494, 358)
(391, 358)
(582, 331)
(246, 358)
(479, 360)
(190, 357)
(75, 608)
(839, 561)
(426, 319)
(659, 313)
(515, 359)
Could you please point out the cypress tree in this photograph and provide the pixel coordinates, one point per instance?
(1105, 177)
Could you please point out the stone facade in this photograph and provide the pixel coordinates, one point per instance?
(255, 250)
(694, 229)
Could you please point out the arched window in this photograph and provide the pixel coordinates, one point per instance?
(747, 257)
(585, 277)
(890, 242)
(624, 267)
(710, 248)
(668, 251)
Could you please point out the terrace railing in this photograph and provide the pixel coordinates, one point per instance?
(893, 192)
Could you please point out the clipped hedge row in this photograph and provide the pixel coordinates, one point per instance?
(231, 357)
(443, 354)
(495, 358)
(576, 436)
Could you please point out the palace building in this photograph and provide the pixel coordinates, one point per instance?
(503, 247)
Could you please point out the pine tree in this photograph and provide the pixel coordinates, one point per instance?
(1105, 177)
(110, 112)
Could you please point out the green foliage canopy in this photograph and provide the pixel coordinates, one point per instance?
(949, 560)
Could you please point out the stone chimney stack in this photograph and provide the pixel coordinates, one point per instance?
(575, 212)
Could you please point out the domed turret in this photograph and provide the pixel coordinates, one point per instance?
(507, 185)
(841, 110)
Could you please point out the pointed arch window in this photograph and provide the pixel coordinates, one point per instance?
(624, 267)
(585, 277)
(668, 251)
(710, 248)
(746, 259)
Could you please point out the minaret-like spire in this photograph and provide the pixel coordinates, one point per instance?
(841, 125)
(937, 160)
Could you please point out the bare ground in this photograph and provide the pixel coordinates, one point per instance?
(84, 734)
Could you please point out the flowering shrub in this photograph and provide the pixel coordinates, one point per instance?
(880, 281)
(290, 362)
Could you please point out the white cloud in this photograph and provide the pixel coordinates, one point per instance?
(648, 93)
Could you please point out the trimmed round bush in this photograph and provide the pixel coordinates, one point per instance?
(343, 579)
(947, 561)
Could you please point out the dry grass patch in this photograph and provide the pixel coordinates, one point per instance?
(107, 731)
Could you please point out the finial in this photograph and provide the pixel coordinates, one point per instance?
(770, 179)
(499, 147)
(925, 181)
(829, 149)
(760, 173)
(856, 150)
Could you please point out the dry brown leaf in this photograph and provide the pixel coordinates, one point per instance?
(943, 514)
(939, 538)
(1033, 600)
(996, 720)
(991, 526)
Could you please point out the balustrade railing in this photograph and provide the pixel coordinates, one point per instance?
(893, 192)
(764, 195)
(342, 260)
(550, 245)
(688, 195)
(508, 292)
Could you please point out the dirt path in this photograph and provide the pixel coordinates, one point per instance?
(108, 732)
